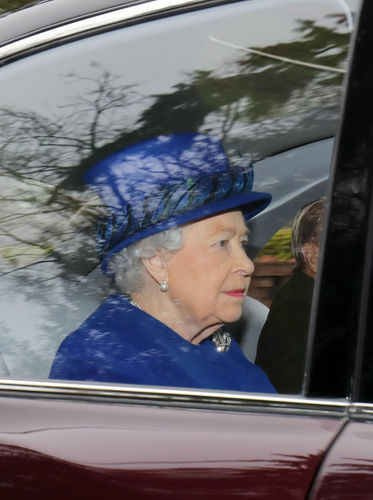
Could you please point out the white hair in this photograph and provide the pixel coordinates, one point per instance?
(127, 266)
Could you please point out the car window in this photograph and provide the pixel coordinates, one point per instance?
(272, 95)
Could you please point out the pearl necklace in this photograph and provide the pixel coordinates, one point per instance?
(136, 304)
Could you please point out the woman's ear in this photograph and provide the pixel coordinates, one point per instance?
(156, 266)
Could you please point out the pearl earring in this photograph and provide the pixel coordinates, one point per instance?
(164, 286)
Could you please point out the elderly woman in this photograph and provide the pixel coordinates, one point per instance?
(175, 243)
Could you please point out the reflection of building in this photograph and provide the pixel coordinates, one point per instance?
(268, 276)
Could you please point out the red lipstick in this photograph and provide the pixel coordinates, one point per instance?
(240, 292)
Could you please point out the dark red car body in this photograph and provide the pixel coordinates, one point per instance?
(104, 441)
(92, 450)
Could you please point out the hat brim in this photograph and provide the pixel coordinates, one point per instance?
(250, 203)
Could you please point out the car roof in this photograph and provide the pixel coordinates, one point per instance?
(45, 14)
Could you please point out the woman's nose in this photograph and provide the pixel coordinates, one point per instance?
(245, 265)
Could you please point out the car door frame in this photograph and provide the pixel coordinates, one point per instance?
(331, 408)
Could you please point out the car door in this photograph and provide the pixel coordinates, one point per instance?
(263, 75)
(344, 321)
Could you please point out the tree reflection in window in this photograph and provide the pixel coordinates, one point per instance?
(257, 104)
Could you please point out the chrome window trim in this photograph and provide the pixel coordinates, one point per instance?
(97, 21)
(361, 411)
(169, 396)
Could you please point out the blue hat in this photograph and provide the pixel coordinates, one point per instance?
(165, 182)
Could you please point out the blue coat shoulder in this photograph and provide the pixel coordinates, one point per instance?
(120, 343)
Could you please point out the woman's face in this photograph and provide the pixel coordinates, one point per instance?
(209, 277)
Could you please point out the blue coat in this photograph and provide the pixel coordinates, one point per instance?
(121, 343)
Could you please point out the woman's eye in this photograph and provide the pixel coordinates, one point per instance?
(223, 243)
(244, 244)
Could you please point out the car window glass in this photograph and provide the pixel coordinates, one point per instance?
(271, 95)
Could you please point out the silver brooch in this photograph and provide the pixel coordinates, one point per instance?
(221, 340)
